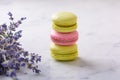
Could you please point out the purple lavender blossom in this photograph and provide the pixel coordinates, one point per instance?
(12, 55)
(4, 27)
(10, 14)
(23, 18)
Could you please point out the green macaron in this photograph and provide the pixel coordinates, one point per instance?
(60, 52)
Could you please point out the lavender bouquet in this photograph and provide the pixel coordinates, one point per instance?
(12, 56)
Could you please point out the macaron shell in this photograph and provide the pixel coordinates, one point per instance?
(64, 29)
(64, 18)
(64, 38)
(64, 57)
(58, 49)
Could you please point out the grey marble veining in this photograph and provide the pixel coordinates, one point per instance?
(99, 38)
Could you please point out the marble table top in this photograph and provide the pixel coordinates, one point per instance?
(98, 44)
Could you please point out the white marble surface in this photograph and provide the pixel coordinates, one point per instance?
(99, 37)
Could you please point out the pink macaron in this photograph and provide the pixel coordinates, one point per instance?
(64, 38)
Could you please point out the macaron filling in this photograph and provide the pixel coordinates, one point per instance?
(64, 29)
(67, 53)
(64, 57)
(65, 26)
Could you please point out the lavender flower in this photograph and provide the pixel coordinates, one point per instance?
(4, 27)
(23, 18)
(10, 14)
(12, 55)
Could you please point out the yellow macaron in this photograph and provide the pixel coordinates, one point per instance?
(64, 22)
(60, 52)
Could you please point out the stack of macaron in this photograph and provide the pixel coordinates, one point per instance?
(64, 36)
